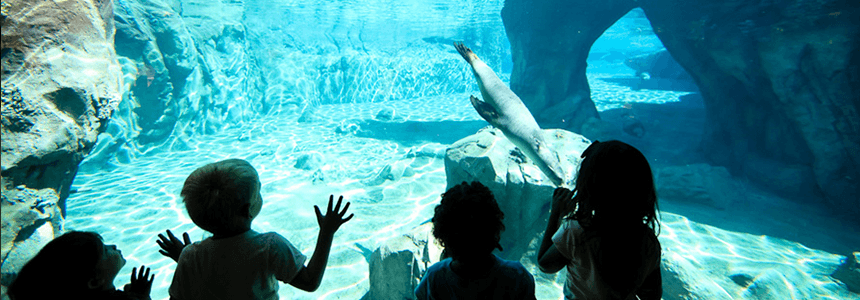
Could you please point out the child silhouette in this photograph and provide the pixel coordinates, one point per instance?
(90, 266)
(607, 239)
(468, 223)
(237, 262)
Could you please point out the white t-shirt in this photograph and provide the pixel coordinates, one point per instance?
(583, 279)
(245, 266)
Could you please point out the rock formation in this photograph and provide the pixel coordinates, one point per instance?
(522, 191)
(187, 71)
(780, 80)
(60, 85)
(698, 183)
(849, 272)
(398, 264)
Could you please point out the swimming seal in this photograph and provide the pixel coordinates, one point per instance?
(505, 111)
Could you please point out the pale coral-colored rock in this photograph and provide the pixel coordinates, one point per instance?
(60, 85)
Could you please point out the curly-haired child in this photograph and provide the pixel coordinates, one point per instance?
(468, 224)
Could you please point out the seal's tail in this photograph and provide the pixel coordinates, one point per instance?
(467, 53)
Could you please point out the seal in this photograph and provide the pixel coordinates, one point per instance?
(504, 110)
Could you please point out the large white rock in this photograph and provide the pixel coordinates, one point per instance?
(521, 189)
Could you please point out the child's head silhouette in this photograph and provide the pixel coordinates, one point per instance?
(223, 197)
(90, 264)
(468, 221)
(615, 187)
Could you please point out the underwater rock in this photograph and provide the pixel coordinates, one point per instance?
(310, 115)
(684, 279)
(521, 189)
(849, 272)
(699, 183)
(549, 47)
(186, 72)
(771, 285)
(397, 264)
(432, 150)
(393, 172)
(379, 177)
(309, 161)
(394, 273)
(385, 114)
(348, 127)
(31, 218)
(60, 85)
(318, 177)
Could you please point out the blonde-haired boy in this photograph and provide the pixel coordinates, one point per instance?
(237, 262)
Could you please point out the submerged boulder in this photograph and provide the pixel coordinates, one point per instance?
(521, 189)
(398, 264)
(393, 274)
(849, 272)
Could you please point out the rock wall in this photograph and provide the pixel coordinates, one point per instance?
(187, 71)
(780, 81)
(61, 82)
(522, 191)
(193, 68)
(324, 52)
(550, 42)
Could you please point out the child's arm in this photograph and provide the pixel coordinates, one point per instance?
(549, 259)
(309, 278)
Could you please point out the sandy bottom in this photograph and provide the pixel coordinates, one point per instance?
(129, 204)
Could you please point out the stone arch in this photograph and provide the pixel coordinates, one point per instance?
(779, 80)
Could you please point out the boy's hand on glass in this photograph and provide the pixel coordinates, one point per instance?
(332, 219)
(562, 198)
(172, 247)
(140, 283)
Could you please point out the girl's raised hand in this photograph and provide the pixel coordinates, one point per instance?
(562, 198)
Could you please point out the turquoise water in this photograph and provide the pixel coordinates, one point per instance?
(301, 47)
(131, 203)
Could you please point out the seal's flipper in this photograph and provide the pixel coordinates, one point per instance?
(465, 52)
(487, 111)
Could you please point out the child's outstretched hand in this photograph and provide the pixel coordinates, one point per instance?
(172, 247)
(331, 221)
(140, 283)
